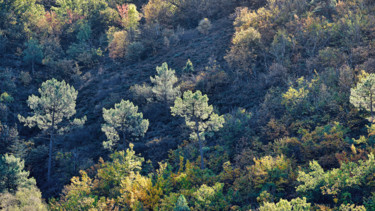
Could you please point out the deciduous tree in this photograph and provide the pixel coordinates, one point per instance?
(129, 17)
(294, 204)
(119, 44)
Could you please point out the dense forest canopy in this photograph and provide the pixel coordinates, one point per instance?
(187, 105)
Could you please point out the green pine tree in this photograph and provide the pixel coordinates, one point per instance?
(181, 204)
(363, 95)
(123, 119)
(17, 190)
(189, 67)
(52, 112)
(164, 82)
(12, 174)
(199, 116)
(33, 53)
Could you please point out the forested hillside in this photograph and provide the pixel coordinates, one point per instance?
(187, 105)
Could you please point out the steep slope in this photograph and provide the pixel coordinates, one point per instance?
(111, 82)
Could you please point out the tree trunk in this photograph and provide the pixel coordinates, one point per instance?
(50, 150)
(124, 139)
(50, 159)
(201, 150)
(32, 67)
(372, 112)
(200, 144)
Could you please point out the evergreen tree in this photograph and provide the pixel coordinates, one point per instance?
(189, 67)
(363, 95)
(204, 26)
(17, 190)
(181, 204)
(12, 174)
(199, 116)
(10, 141)
(53, 111)
(164, 84)
(33, 53)
(124, 119)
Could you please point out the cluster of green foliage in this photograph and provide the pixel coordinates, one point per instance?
(17, 190)
(120, 184)
(125, 120)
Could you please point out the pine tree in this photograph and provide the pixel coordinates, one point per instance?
(363, 95)
(199, 116)
(189, 67)
(12, 174)
(204, 26)
(33, 53)
(124, 119)
(164, 82)
(181, 204)
(52, 112)
(17, 190)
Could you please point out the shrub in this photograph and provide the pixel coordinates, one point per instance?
(7, 82)
(273, 174)
(243, 52)
(142, 94)
(23, 199)
(295, 204)
(65, 69)
(158, 11)
(210, 198)
(82, 51)
(109, 17)
(135, 51)
(339, 184)
(351, 207)
(323, 143)
(6, 98)
(204, 26)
